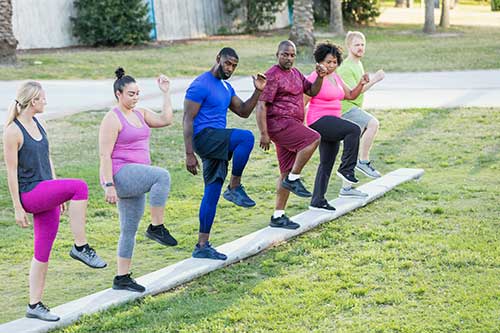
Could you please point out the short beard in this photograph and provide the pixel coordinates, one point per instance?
(223, 75)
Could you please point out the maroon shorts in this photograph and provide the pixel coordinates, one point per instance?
(290, 136)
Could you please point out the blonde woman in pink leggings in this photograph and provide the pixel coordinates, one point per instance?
(34, 189)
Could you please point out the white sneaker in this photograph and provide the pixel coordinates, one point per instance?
(367, 169)
(352, 193)
(41, 312)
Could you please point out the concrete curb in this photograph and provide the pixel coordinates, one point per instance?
(189, 269)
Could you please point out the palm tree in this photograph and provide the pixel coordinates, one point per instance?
(8, 42)
(445, 14)
(302, 31)
(429, 26)
(336, 21)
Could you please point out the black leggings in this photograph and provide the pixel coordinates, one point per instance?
(333, 130)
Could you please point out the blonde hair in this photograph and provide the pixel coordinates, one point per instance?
(26, 93)
(351, 35)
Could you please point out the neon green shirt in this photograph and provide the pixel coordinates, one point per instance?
(351, 73)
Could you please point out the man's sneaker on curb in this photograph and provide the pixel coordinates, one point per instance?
(352, 193)
(207, 252)
(283, 222)
(367, 169)
(238, 196)
(324, 207)
(296, 187)
(41, 312)
(161, 235)
(125, 282)
(88, 256)
(348, 177)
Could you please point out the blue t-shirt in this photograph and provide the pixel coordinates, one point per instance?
(214, 95)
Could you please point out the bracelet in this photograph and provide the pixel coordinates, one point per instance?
(109, 184)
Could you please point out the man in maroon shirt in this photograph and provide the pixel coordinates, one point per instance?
(280, 117)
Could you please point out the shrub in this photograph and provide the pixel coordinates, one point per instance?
(257, 12)
(353, 11)
(111, 22)
(360, 11)
(495, 5)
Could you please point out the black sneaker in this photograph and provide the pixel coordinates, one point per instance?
(324, 207)
(348, 177)
(296, 187)
(125, 282)
(283, 222)
(161, 235)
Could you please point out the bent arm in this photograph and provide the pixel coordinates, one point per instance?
(244, 109)
(162, 119)
(315, 87)
(351, 94)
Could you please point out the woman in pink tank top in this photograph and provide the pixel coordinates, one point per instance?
(126, 171)
(324, 116)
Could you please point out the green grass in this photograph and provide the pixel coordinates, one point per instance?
(395, 48)
(425, 257)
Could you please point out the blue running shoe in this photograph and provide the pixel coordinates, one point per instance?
(207, 252)
(238, 196)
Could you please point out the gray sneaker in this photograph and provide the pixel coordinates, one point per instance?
(352, 193)
(367, 169)
(88, 257)
(41, 312)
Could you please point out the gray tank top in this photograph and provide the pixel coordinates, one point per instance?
(33, 164)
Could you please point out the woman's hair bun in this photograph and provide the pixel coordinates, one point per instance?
(119, 73)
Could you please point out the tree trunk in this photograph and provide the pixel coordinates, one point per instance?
(302, 31)
(429, 26)
(8, 42)
(445, 14)
(336, 21)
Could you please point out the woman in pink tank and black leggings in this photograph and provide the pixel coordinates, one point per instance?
(126, 170)
(34, 189)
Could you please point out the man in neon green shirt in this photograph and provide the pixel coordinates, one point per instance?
(351, 70)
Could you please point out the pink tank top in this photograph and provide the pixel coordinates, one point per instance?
(132, 143)
(327, 101)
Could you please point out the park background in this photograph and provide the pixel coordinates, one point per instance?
(425, 257)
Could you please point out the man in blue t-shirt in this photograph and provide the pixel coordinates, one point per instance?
(205, 110)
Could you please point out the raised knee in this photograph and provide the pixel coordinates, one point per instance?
(248, 138)
(163, 176)
(317, 141)
(356, 130)
(81, 190)
(374, 123)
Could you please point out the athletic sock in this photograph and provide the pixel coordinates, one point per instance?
(156, 227)
(32, 306)
(364, 161)
(80, 248)
(278, 213)
(293, 176)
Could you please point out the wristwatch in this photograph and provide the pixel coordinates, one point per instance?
(109, 184)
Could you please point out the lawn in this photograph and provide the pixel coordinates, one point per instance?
(395, 48)
(425, 257)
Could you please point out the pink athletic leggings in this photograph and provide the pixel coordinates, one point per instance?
(44, 203)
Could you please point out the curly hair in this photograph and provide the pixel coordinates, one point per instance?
(326, 48)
